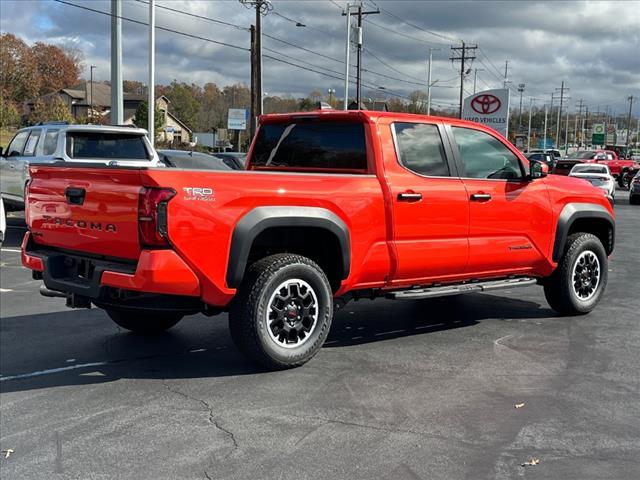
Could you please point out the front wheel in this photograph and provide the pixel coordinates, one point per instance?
(623, 181)
(577, 285)
(144, 321)
(282, 313)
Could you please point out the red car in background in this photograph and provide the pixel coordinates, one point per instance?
(607, 157)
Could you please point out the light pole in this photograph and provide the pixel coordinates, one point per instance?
(521, 90)
(331, 91)
(544, 142)
(347, 51)
(529, 129)
(151, 104)
(91, 90)
(429, 84)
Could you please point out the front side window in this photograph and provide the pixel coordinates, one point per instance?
(332, 147)
(484, 156)
(50, 142)
(420, 149)
(106, 145)
(17, 144)
(32, 143)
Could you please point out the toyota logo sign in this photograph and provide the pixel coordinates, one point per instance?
(486, 104)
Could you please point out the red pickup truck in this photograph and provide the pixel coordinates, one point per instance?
(334, 206)
(610, 158)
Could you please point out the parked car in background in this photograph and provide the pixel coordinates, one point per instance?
(53, 142)
(605, 157)
(634, 190)
(236, 160)
(597, 175)
(192, 160)
(546, 157)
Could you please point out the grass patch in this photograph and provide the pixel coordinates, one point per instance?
(5, 137)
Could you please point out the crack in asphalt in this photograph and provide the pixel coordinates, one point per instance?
(211, 419)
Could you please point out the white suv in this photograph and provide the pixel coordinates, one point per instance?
(59, 142)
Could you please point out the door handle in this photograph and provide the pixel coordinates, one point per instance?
(75, 196)
(480, 197)
(409, 197)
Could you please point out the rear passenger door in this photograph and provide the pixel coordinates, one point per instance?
(430, 206)
(12, 167)
(509, 215)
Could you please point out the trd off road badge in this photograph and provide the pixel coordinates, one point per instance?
(202, 194)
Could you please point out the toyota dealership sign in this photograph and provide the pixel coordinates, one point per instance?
(490, 108)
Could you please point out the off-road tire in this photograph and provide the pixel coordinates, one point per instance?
(559, 287)
(623, 181)
(248, 316)
(144, 322)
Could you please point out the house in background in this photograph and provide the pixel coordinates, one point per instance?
(94, 99)
(375, 105)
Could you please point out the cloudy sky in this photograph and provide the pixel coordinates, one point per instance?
(593, 46)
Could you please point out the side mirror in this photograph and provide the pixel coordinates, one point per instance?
(538, 169)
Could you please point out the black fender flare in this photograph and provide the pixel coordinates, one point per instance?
(261, 218)
(574, 211)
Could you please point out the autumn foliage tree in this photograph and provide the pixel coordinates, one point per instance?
(54, 109)
(55, 68)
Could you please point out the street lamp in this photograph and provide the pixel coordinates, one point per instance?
(331, 91)
(521, 90)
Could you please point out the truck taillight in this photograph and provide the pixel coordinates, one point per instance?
(152, 216)
(26, 203)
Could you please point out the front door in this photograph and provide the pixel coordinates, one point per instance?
(430, 206)
(510, 215)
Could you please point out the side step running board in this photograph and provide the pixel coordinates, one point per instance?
(445, 290)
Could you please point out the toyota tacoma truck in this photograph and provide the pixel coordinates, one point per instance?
(333, 206)
(617, 166)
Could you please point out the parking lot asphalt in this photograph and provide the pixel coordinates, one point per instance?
(411, 389)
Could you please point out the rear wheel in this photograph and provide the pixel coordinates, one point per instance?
(623, 181)
(282, 313)
(580, 279)
(144, 321)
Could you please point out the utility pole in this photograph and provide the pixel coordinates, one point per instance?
(117, 103)
(521, 90)
(358, 50)
(475, 77)
(629, 121)
(463, 57)
(262, 7)
(566, 135)
(346, 58)
(151, 110)
(544, 142)
(562, 89)
(506, 73)
(575, 132)
(254, 82)
(431, 49)
(551, 106)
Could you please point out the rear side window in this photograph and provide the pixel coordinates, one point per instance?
(17, 144)
(484, 156)
(105, 145)
(420, 149)
(32, 143)
(320, 146)
(50, 142)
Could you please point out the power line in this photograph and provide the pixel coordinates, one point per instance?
(170, 30)
(221, 22)
(436, 34)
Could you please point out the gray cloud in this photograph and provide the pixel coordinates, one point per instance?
(593, 46)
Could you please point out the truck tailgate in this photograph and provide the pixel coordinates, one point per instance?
(92, 210)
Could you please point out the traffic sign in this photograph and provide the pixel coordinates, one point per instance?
(237, 119)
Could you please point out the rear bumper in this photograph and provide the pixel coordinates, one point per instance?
(156, 272)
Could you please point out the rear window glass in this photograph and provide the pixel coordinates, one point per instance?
(106, 145)
(50, 142)
(420, 149)
(321, 146)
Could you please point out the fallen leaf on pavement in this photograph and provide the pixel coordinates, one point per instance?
(534, 461)
(519, 405)
(7, 452)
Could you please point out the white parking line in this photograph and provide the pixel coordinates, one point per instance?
(5, 290)
(52, 370)
(12, 250)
